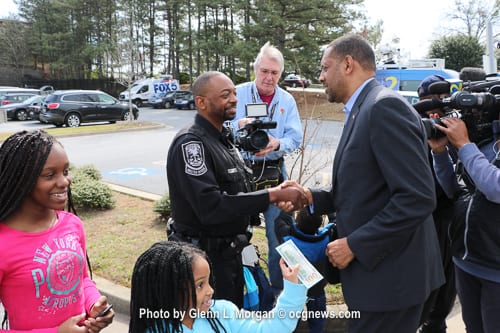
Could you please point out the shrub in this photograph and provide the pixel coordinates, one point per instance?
(87, 189)
(87, 170)
(163, 207)
(91, 193)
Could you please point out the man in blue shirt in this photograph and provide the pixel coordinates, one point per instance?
(284, 139)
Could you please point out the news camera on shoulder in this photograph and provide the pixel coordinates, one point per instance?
(478, 105)
(252, 137)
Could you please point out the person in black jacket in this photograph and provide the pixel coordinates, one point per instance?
(441, 301)
(213, 205)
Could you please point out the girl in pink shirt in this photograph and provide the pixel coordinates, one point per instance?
(44, 283)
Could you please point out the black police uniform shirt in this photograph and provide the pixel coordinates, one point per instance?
(209, 185)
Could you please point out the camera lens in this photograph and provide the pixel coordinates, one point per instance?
(430, 128)
(258, 140)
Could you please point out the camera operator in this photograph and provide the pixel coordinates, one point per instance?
(475, 230)
(441, 301)
(209, 184)
(268, 163)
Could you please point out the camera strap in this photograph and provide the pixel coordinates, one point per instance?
(273, 108)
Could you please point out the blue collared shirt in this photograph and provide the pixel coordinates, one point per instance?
(282, 109)
(350, 103)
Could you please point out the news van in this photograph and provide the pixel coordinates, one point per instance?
(408, 77)
(142, 90)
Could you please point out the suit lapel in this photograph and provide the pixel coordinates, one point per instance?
(346, 133)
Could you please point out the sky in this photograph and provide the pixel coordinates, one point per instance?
(416, 23)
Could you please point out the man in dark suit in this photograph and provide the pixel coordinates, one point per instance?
(383, 195)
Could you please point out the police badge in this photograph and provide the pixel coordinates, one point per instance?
(194, 158)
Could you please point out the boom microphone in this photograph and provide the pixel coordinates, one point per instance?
(427, 105)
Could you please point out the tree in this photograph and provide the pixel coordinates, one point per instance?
(458, 51)
(15, 51)
(473, 16)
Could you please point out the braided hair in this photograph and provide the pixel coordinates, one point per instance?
(162, 282)
(22, 158)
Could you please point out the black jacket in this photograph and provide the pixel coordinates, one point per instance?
(209, 184)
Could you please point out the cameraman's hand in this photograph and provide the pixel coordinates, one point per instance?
(243, 121)
(455, 130)
(438, 145)
(273, 145)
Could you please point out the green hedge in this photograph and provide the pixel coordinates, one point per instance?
(163, 207)
(87, 189)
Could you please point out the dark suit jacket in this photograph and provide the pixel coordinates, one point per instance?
(383, 194)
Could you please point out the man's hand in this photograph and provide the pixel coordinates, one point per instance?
(455, 130)
(273, 145)
(288, 197)
(243, 121)
(339, 253)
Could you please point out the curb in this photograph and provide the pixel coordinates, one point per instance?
(117, 295)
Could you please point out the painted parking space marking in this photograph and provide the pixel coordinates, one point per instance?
(132, 173)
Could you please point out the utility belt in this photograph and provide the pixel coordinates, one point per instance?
(215, 243)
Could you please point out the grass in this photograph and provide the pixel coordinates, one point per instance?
(116, 237)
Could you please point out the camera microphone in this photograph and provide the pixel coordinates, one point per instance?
(439, 88)
(428, 104)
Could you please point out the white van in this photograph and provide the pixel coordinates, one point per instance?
(141, 91)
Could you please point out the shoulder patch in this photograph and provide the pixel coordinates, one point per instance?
(194, 158)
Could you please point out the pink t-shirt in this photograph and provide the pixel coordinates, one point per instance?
(43, 275)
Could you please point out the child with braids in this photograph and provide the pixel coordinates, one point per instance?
(44, 283)
(172, 292)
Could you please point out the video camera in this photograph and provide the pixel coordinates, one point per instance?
(477, 109)
(252, 136)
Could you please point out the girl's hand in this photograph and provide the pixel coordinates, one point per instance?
(71, 325)
(94, 323)
(289, 273)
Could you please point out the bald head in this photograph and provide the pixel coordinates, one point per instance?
(203, 83)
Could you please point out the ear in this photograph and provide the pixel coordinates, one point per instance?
(200, 102)
(349, 61)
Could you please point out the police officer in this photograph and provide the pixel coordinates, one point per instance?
(210, 188)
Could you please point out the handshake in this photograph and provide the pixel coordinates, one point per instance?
(290, 196)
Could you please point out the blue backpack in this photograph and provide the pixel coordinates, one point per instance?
(259, 295)
(312, 246)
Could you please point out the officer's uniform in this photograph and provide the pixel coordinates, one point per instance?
(205, 173)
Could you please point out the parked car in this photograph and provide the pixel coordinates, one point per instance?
(35, 108)
(20, 111)
(74, 107)
(294, 80)
(185, 101)
(166, 100)
(8, 98)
